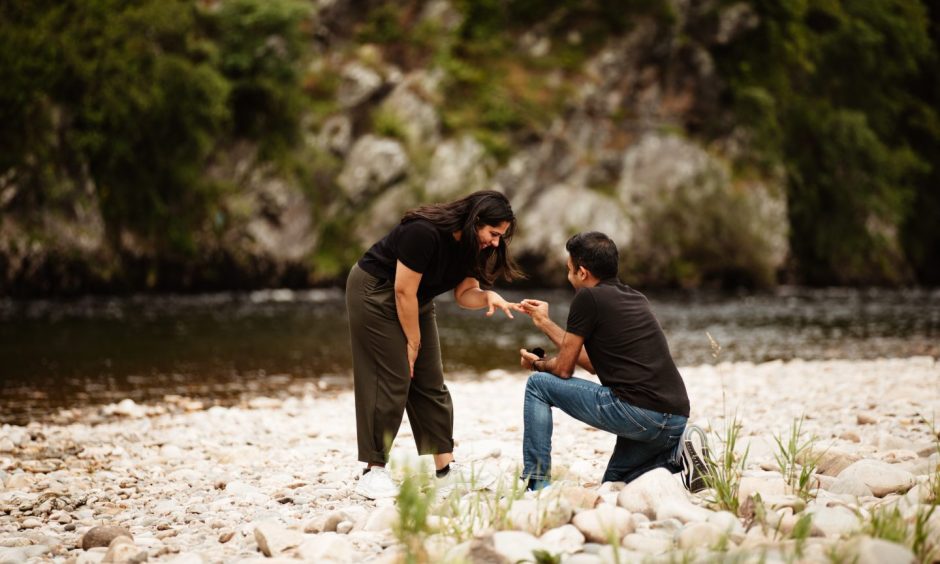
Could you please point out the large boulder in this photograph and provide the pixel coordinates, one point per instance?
(693, 221)
(411, 103)
(373, 163)
(458, 167)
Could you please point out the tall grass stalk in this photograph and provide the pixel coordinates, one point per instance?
(415, 497)
(725, 471)
(797, 460)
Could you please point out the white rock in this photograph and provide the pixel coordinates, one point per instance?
(833, 521)
(647, 543)
(565, 539)
(648, 493)
(373, 163)
(699, 535)
(274, 538)
(537, 515)
(881, 478)
(382, 519)
(516, 545)
(358, 83)
(604, 523)
(878, 551)
(327, 547)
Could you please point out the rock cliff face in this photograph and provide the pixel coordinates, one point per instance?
(621, 156)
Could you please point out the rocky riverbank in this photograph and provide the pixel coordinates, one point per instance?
(273, 477)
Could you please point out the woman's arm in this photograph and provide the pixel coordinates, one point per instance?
(406, 304)
(469, 295)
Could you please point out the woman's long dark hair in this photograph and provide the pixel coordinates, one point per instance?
(468, 214)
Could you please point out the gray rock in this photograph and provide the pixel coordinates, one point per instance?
(358, 84)
(411, 102)
(103, 535)
(373, 163)
(648, 543)
(458, 166)
(336, 134)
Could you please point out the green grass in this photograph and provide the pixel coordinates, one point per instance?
(725, 469)
(797, 460)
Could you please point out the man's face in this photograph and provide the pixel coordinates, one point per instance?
(573, 277)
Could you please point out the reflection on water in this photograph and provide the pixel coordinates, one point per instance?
(222, 346)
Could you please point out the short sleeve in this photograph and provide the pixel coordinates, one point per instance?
(417, 245)
(582, 316)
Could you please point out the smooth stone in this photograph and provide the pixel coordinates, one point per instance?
(581, 498)
(273, 538)
(31, 523)
(832, 461)
(727, 522)
(699, 535)
(325, 523)
(615, 555)
(648, 543)
(535, 516)
(604, 523)
(327, 547)
(382, 519)
(92, 556)
(565, 539)
(516, 546)
(122, 550)
(833, 521)
(765, 486)
(102, 536)
(878, 551)
(881, 478)
(850, 486)
(659, 495)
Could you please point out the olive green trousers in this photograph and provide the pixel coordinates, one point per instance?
(383, 387)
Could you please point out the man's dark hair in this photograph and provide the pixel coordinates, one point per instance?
(594, 251)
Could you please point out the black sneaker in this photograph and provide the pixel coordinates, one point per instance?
(693, 460)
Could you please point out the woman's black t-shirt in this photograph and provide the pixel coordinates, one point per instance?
(627, 347)
(420, 246)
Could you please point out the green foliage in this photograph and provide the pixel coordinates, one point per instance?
(725, 471)
(826, 89)
(137, 96)
(796, 459)
(415, 496)
(259, 44)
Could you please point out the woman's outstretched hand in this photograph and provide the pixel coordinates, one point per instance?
(494, 301)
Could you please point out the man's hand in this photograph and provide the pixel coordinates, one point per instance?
(536, 309)
(527, 359)
(494, 300)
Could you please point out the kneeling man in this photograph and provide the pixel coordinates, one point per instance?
(610, 332)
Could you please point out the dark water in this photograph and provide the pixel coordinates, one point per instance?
(221, 347)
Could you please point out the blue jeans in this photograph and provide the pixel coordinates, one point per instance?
(645, 439)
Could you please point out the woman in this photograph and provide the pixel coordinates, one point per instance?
(396, 352)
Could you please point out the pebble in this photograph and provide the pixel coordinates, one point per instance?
(196, 485)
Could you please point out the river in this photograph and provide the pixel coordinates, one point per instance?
(223, 347)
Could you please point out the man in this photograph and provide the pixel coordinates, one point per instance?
(641, 397)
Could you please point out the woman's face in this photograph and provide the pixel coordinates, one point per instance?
(489, 235)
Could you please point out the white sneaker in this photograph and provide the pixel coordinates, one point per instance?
(376, 484)
(464, 477)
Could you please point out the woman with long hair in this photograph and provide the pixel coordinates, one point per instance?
(396, 352)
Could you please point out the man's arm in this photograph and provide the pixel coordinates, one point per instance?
(561, 365)
(538, 311)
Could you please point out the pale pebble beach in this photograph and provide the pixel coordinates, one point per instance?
(197, 484)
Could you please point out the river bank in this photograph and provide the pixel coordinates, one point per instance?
(197, 484)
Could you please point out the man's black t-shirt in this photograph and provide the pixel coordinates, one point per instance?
(627, 347)
(423, 248)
